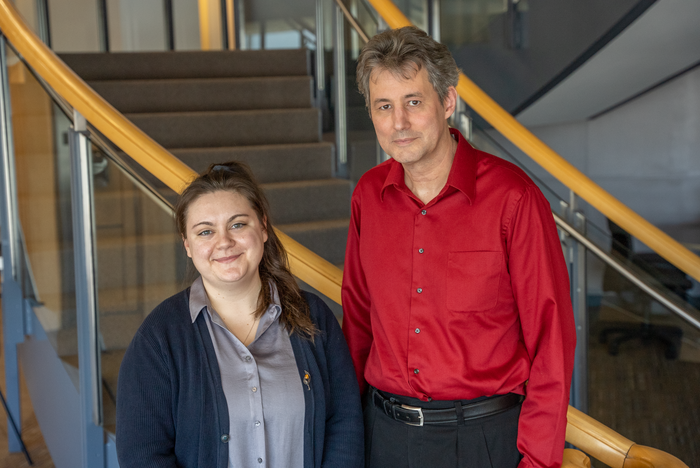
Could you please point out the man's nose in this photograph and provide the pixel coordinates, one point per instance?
(400, 119)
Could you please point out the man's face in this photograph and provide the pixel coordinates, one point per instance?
(408, 117)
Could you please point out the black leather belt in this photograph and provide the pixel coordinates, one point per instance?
(416, 416)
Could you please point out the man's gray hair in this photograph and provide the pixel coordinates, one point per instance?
(403, 52)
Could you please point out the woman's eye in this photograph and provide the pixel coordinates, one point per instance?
(237, 225)
(206, 232)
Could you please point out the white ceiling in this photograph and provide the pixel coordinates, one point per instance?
(662, 42)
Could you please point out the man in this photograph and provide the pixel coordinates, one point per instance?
(455, 293)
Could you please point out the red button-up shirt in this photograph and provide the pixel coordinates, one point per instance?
(462, 297)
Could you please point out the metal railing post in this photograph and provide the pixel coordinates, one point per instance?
(341, 126)
(434, 19)
(577, 259)
(86, 295)
(320, 53)
(103, 23)
(43, 21)
(12, 302)
(170, 24)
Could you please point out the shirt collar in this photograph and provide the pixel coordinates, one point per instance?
(199, 300)
(462, 173)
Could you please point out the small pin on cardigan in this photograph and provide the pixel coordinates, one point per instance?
(307, 380)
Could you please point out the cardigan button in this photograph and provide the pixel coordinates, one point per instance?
(225, 438)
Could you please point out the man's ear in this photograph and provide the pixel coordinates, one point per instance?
(450, 101)
(187, 246)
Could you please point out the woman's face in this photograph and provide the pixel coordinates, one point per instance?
(225, 239)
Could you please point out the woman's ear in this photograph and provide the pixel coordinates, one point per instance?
(187, 246)
(264, 229)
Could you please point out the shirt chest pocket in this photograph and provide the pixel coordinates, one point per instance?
(473, 279)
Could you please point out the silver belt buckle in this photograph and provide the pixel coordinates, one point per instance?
(420, 414)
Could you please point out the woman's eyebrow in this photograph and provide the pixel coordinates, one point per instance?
(209, 223)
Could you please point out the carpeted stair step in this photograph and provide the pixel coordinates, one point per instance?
(269, 163)
(210, 94)
(188, 64)
(231, 128)
(308, 201)
(325, 238)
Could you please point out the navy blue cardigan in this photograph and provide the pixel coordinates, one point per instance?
(171, 408)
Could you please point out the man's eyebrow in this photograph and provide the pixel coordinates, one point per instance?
(417, 94)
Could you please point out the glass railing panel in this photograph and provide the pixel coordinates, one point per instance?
(140, 263)
(139, 257)
(644, 366)
(40, 133)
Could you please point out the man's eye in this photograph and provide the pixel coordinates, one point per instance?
(413, 103)
(384, 107)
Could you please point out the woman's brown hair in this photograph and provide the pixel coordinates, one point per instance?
(236, 177)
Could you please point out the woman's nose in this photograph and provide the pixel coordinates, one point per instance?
(226, 239)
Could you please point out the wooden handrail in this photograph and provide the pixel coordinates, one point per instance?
(611, 448)
(582, 431)
(561, 169)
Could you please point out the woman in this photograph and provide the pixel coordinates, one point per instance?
(243, 368)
